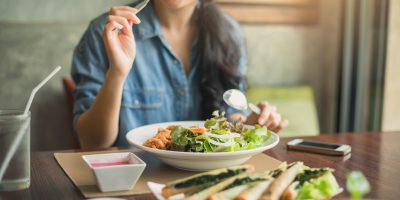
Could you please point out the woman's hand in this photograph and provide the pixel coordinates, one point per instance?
(268, 117)
(119, 39)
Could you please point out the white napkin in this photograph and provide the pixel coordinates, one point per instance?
(156, 189)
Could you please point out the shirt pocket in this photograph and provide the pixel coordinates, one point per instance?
(143, 98)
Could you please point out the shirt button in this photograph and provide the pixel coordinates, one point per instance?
(176, 62)
(136, 102)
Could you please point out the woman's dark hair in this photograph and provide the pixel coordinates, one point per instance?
(219, 54)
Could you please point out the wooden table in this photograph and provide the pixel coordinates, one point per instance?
(377, 155)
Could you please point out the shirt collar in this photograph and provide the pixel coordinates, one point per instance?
(149, 26)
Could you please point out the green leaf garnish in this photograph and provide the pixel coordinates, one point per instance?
(357, 184)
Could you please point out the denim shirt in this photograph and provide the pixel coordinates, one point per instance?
(157, 88)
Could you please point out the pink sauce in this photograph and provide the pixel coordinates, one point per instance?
(112, 163)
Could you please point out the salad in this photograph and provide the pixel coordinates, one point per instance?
(217, 135)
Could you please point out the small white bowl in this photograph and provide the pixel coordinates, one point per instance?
(115, 171)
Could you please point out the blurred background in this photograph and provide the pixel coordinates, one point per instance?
(330, 66)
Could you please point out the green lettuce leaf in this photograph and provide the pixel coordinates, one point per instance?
(357, 185)
(323, 187)
(255, 137)
(184, 139)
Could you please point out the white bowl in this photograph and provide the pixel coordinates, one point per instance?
(115, 171)
(193, 161)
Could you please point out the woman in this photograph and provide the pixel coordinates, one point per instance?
(170, 62)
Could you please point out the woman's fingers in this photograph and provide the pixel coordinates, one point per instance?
(109, 29)
(281, 126)
(109, 35)
(265, 112)
(121, 20)
(128, 15)
(127, 8)
(270, 118)
(127, 12)
(274, 122)
(120, 45)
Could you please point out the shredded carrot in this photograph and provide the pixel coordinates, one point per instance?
(199, 130)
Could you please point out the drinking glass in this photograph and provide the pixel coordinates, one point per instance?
(17, 173)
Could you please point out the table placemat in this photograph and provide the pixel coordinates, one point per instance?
(156, 171)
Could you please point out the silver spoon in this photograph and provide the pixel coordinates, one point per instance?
(236, 99)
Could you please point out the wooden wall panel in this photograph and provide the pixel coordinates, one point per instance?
(272, 11)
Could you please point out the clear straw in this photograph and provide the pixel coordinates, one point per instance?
(28, 105)
(16, 142)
